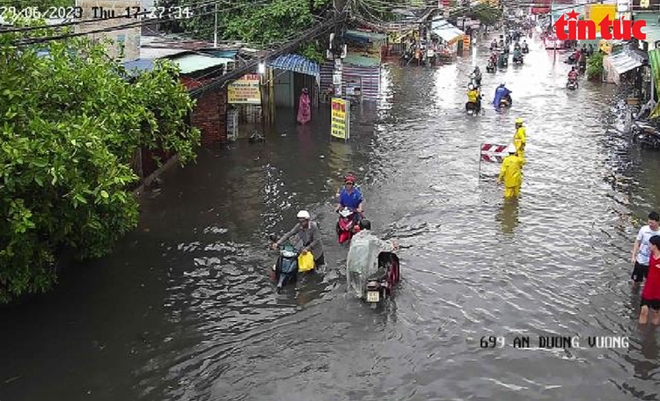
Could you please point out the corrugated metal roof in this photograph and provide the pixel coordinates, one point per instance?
(190, 63)
(158, 52)
(221, 53)
(445, 30)
(297, 63)
(361, 61)
(623, 63)
(365, 36)
(135, 67)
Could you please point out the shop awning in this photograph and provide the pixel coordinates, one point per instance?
(297, 63)
(445, 30)
(623, 63)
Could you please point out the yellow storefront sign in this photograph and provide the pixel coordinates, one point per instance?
(597, 12)
(340, 125)
(245, 90)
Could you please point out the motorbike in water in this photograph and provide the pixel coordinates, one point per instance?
(646, 133)
(490, 67)
(472, 108)
(347, 225)
(381, 284)
(572, 84)
(475, 80)
(525, 48)
(518, 60)
(506, 101)
(285, 269)
(374, 284)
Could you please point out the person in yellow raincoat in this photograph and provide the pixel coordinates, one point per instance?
(474, 97)
(511, 173)
(520, 139)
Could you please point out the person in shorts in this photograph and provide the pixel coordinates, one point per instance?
(641, 251)
(651, 291)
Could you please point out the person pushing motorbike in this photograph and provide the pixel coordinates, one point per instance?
(362, 259)
(500, 93)
(308, 232)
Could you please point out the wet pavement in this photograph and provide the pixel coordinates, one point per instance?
(184, 309)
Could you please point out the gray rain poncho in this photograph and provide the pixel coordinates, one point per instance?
(362, 261)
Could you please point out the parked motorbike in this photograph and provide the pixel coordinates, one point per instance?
(572, 84)
(346, 226)
(490, 67)
(285, 269)
(646, 133)
(380, 285)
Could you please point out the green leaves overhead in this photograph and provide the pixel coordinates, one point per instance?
(254, 21)
(69, 125)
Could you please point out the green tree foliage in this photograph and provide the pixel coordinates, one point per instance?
(595, 66)
(486, 13)
(69, 125)
(253, 21)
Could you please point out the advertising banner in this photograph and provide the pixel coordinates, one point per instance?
(341, 125)
(654, 60)
(245, 90)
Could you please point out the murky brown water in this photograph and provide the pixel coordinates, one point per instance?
(183, 310)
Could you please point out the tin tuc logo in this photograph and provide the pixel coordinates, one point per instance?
(569, 27)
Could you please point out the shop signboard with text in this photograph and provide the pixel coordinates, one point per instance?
(340, 126)
(245, 90)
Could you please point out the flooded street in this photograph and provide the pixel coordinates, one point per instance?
(184, 308)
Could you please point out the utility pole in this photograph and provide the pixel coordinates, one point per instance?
(337, 76)
(215, 25)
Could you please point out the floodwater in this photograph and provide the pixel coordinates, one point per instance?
(184, 310)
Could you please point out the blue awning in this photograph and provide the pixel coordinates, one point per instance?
(297, 63)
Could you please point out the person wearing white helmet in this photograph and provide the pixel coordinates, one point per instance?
(473, 97)
(308, 232)
(511, 173)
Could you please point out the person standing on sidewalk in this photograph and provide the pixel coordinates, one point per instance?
(641, 251)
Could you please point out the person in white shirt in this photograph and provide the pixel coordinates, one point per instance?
(641, 251)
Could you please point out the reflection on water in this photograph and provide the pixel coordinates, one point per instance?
(186, 310)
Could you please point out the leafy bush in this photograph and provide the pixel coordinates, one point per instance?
(69, 124)
(595, 66)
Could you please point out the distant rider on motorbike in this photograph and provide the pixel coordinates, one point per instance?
(477, 75)
(362, 259)
(573, 75)
(525, 45)
(517, 55)
(500, 93)
(350, 197)
(474, 97)
(493, 58)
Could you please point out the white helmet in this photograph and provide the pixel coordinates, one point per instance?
(303, 214)
(511, 149)
(470, 87)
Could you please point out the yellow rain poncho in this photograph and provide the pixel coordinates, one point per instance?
(473, 95)
(519, 141)
(511, 175)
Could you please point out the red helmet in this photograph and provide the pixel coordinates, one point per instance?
(350, 179)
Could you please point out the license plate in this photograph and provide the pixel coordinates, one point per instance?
(373, 296)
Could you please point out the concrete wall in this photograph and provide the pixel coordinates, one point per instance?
(130, 37)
